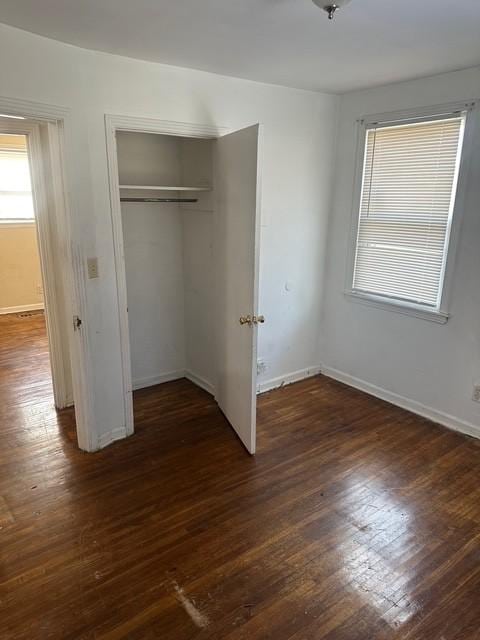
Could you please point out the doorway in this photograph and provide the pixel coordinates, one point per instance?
(35, 363)
(186, 214)
(24, 357)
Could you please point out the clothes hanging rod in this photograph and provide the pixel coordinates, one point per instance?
(154, 200)
(151, 187)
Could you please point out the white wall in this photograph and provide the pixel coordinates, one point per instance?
(152, 237)
(428, 367)
(154, 272)
(198, 264)
(199, 283)
(298, 152)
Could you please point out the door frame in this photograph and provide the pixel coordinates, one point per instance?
(114, 123)
(61, 218)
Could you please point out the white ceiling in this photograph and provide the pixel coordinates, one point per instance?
(288, 42)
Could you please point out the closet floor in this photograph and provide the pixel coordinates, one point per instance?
(356, 519)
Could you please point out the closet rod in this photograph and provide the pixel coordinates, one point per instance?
(153, 200)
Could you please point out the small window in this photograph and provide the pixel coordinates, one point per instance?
(16, 201)
(408, 190)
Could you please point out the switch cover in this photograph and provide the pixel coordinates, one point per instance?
(92, 267)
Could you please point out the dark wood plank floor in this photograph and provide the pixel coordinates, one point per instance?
(356, 520)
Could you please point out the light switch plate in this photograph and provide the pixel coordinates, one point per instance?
(92, 267)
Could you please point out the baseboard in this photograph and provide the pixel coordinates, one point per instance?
(200, 382)
(151, 381)
(445, 419)
(68, 403)
(289, 378)
(142, 383)
(22, 308)
(111, 436)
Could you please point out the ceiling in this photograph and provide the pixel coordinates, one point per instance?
(287, 42)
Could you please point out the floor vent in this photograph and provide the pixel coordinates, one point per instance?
(29, 314)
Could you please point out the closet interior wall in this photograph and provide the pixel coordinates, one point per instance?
(168, 258)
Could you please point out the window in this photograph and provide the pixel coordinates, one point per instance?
(408, 190)
(16, 202)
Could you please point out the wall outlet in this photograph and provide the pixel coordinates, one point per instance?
(40, 289)
(261, 367)
(92, 267)
(476, 393)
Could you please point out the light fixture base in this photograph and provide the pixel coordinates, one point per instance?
(331, 6)
(330, 9)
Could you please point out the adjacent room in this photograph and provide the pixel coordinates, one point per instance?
(239, 335)
(24, 358)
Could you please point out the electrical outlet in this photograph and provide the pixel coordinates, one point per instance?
(92, 267)
(476, 393)
(39, 289)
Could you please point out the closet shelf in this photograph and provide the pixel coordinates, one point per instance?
(162, 188)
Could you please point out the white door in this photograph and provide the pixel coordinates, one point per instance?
(238, 218)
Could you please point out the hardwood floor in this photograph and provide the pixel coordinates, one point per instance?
(356, 519)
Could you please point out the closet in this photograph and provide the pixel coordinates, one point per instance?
(168, 245)
(189, 220)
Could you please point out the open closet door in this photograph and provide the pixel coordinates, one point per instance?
(238, 217)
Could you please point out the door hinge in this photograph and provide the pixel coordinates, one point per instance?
(77, 323)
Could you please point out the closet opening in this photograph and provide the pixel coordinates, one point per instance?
(166, 198)
(184, 211)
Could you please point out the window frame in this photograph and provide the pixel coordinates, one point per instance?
(439, 314)
(22, 222)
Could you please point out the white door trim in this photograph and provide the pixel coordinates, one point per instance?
(114, 123)
(57, 119)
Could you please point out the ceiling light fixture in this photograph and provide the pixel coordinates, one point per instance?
(330, 7)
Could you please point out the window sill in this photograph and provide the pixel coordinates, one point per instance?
(440, 317)
(16, 223)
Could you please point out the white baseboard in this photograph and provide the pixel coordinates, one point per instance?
(440, 417)
(151, 381)
(288, 378)
(22, 308)
(68, 403)
(200, 382)
(111, 436)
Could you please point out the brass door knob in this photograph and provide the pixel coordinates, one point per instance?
(252, 320)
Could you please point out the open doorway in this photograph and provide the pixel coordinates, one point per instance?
(35, 370)
(24, 357)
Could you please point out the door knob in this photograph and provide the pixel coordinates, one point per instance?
(258, 319)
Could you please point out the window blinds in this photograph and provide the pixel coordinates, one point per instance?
(408, 191)
(16, 201)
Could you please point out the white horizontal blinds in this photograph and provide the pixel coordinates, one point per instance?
(409, 183)
(16, 202)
